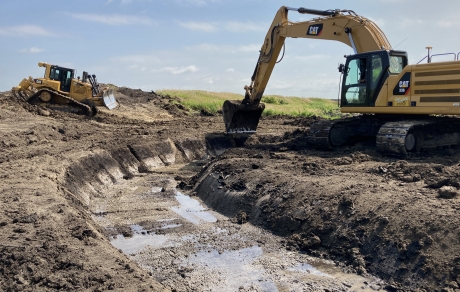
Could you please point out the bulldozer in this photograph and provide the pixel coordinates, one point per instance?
(59, 89)
(405, 108)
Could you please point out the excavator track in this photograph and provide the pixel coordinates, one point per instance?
(329, 134)
(72, 103)
(411, 136)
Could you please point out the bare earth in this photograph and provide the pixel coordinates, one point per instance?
(96, 204)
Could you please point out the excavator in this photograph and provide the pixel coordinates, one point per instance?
(59, 89)
(405, 108)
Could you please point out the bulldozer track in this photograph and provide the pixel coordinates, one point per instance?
(86, 109)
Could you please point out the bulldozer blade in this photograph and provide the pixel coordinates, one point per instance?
(21, 95)
(241, 118)
(109, 99)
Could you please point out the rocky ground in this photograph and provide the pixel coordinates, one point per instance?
(91, 204)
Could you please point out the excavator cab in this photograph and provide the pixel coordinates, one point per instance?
(365, 74)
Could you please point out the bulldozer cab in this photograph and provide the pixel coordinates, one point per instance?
(63, 75)
(365, 74)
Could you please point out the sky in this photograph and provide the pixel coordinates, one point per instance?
(210, 45)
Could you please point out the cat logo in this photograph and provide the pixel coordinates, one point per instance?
(315, 29)
(403, 84)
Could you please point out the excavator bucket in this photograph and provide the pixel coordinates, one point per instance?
(239, 117)
(109, 99)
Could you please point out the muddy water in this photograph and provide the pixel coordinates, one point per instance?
(188, 247)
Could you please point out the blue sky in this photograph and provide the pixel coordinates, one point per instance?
(202, 44)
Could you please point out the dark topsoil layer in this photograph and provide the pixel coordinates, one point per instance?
(395, 218)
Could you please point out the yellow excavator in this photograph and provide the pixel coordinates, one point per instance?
(406, 108)
(59, 89)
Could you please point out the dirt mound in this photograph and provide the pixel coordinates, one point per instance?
(393, 218)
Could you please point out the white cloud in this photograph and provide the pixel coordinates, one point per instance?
(232, 26)
(196, 2)
(224, 48)
(447, 24)
(114, 19)
(199, 26)
(404, 22)
(235, 26)
(177, 70)
(152, 59)
(312, 57)
(25, 30)
(249, 48)
(208, 80)
(230, 70)
(32, 50)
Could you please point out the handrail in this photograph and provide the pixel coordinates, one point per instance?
(430, 57)
(455, 56)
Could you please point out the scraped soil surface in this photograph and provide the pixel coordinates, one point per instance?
(94, 204)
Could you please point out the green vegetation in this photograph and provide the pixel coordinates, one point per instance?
(197, 100)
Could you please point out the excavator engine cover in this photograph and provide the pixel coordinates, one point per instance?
(240, 117)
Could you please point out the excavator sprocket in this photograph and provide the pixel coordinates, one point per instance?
(240, 117)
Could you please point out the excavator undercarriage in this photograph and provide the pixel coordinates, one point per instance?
(397, 136)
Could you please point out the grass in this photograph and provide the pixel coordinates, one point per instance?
(197, 100)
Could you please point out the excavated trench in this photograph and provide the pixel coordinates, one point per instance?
(139, 198)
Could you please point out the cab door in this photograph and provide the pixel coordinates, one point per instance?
(66, 80)
(355, 86)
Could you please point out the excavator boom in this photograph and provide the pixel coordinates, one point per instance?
(344, 26)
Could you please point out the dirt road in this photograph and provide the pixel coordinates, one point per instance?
(102, 203)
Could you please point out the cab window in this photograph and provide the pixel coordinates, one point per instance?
(355, 82)
(396, 64)
(55, 74)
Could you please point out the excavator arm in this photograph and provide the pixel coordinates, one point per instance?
(345, 26)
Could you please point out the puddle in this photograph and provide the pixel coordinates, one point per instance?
(191, 210)
(306, 268)
(139, 241)
(234, 268)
